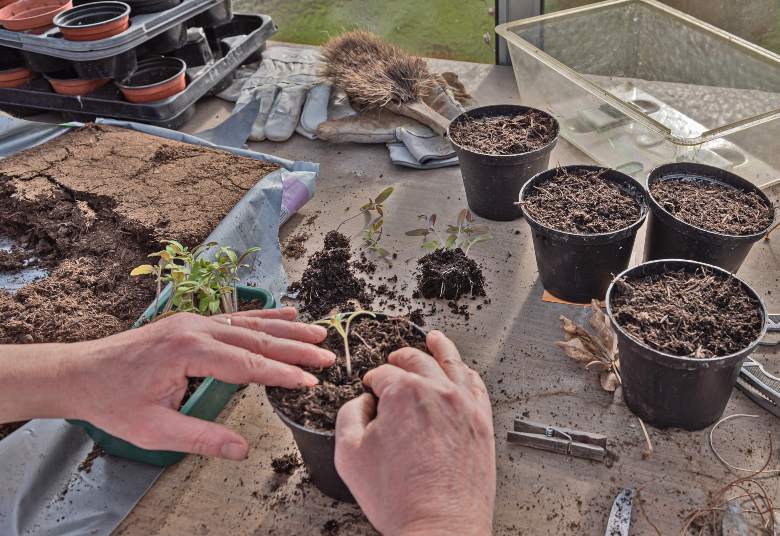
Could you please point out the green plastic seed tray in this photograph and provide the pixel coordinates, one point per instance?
(205, 403)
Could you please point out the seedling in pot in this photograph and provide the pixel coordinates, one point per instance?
(448, 272)
(199, 285)
(340, 323)
(373, 229)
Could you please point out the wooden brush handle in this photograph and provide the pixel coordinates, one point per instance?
(424, 114)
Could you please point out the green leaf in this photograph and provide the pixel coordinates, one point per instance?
(476, 240)
(377, 225)
(431, 244)
(383, 195)
(380, 211)
(450, 244)
(214, 306)
(418, 232)
(144, 269)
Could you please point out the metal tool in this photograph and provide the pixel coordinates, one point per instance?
(620, 516)
(561, 440)
(753, 380)
(772, 329)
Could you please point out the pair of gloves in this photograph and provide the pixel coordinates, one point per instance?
(292, 97)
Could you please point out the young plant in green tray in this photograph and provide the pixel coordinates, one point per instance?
(198, 284)
(462, 235)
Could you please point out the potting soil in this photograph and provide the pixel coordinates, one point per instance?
(582, 202)
(371, 342)
(449, 274)
(713, 206)
(505, 134)
(701, 315)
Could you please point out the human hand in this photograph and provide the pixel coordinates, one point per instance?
(131, 384)
(426, 463)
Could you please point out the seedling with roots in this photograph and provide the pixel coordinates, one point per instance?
(463, 235)
(374, 213)
(199, 285)
(340, 323)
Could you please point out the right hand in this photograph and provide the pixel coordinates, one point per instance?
(425, 464)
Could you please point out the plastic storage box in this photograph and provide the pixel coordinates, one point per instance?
(635, 84)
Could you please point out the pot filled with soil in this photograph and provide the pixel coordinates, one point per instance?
(94, 21)
(683, 330)
(311, 413)
(584, 221)
(155, 79)
(34, 16)
(499, 148)
(68, 83)
(705, 214)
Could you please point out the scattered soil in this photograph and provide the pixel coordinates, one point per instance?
(13, 260)
(581, 202)
(8, 428)
(701, 314)
(449, 274)
(370, 342)
(286, 464)
(505, 134)
(329, 281)
(294, 246)
(713, 206)
(86, 464)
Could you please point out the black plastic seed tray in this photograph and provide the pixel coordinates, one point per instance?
(142, 28)
(240, 41)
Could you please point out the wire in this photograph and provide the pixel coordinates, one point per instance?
(723, 460)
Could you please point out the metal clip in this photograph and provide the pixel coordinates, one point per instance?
(560, 440)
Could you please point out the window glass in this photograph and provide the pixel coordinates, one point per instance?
(757, 21)
(452, 29)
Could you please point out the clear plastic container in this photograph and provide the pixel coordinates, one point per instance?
(635, 84)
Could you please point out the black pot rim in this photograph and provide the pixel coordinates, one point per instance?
(495, 107)
(86, 9)
(154, 62)
(643, 205)
(682, 359)
(657, 174)
(329, 434)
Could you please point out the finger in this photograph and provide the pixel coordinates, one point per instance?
(446, 354)
(232, 364)
(279, 349)
(382, 377)
(353, 417)
(170, 430)
(285, 329)
(418, 362)
(282, 313)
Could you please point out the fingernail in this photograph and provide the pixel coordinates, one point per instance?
(318, 331)
(309, 380)
(234, 451)
(328, 356)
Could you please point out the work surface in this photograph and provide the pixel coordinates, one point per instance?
(509, 342)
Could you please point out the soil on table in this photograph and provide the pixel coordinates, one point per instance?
(371, 342)
(713, 206)
(505, 134)
(294, 247)
(449, 274)
(286, 465)
(582, 202)
(91, 205)
(701, 314)
(329, 281)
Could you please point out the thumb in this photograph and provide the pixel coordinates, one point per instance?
(353, 418)
(167, 429)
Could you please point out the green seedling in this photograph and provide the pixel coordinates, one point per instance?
(373, 228)
(340, 323)
(462, 235)
(199, 285)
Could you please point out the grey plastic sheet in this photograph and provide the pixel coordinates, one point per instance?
(42, 491)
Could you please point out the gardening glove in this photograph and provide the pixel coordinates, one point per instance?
(292, 96)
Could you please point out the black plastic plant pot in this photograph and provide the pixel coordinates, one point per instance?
(218, 15)
(580, 267)
(167, 41)
(666, 390)
(318, 450)
(117, 67)
(669, 237)
(41, 63)
(142, 7)
(197, 51)
(492, 182)
(10, 58)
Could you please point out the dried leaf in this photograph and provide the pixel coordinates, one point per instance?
(576, 350)
(572, 330)
(609, 381)
(144, 269)
(604, 332)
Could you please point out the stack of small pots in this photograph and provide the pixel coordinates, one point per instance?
(665, 390)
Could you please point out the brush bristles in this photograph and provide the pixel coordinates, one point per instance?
(374, 73)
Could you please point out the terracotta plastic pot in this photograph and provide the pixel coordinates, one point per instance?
(34, 16)
(67, 83)
(16, 77)
(155, 79)
(95, 21)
